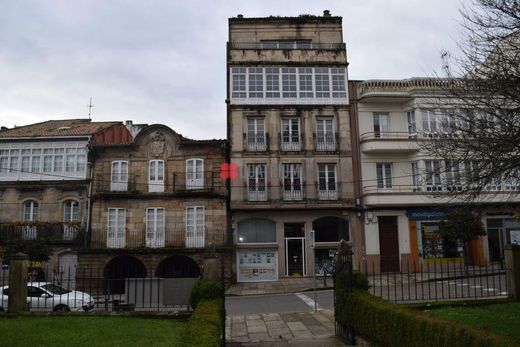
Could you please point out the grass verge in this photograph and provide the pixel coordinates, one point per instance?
(89, 331)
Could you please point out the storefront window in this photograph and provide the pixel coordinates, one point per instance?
(433, 246)
(323, 261)
(256, 231)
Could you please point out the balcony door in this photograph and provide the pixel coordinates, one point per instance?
(155, 227)
(116, 229)
(195, 226)
(119, 178)
(156, 176)
(30, 214)
(194, 174)
(70, 215)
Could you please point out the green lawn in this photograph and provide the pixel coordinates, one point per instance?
(89, 331)
(501, 319)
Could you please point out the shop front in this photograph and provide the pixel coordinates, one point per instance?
(430, 247)
(501, 232)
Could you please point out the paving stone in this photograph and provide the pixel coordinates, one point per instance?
(253, 316)
(271, 317)
(257, 337)
(296, 326)
(238, 318)
(277, 324)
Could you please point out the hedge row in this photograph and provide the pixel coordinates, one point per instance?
(204, 326)
(387, 324)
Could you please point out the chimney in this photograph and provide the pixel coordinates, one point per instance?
(240, 16)
(326, 13)
(128, 123)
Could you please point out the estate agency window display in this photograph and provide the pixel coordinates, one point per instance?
(257, 266)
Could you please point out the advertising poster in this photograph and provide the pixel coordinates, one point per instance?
(257, 266)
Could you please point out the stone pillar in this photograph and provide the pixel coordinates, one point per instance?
(512, 255)
(17, 301)
(211, 269)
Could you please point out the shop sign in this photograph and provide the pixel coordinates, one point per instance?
(257, 266)
(428, 214)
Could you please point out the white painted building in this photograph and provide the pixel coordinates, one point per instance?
(399, 180)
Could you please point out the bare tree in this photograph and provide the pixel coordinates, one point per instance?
(478, 108)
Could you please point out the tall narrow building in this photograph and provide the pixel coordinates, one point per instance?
(289, 128)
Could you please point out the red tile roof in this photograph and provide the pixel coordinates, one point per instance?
(54, 128)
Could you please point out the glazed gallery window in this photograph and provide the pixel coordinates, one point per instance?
(384, 175)
(256, 184)
(155, 217)
(116, 228)
(289, 83)
(60, 162)
(119, 176)
(195, 226)
(410, 118)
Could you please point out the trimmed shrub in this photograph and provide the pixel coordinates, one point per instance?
(359, 281)
(205, 289)
(388, 324)
(204, 326)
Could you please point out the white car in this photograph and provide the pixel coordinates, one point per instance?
(46, 296)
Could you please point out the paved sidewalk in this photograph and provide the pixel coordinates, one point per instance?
(282, 329)
(283, 285)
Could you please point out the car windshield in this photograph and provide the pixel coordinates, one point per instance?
(54, 289)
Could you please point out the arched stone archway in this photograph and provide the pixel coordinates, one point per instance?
(177, 266)
(119, 268)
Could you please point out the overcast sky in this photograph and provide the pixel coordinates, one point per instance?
(164, 61)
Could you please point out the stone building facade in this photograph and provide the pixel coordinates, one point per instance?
(159, 206)
(290, 133)
(45, 177)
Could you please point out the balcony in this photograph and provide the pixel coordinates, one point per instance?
(327, 191)
(293, 193)
(169, 238)
(326, 143)
(388, 142)
(48, 232)
(181, 182)
(256, 142)
(397, 90)
(256, 195)
(291, 143)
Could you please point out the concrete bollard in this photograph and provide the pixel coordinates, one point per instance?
(17, 301)
(512, 255)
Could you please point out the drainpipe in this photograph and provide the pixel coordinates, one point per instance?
(90, 164)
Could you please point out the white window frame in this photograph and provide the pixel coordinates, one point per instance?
(155, 232)
(325, 139)
(384, 175)
(194, 177)
(119, 176)
(119, 229)
(70, 208)
(256, 136)
(258, 191)
(156, 178)
(29, 231)
(195, 234)
(432, 174)
(335, 79)
(290, 144)
(411, 122)
(328, 193)
(453, 175)
(429, 122)
(416, 176)
(292, 174)
(382, 119)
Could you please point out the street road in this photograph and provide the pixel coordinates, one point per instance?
(278, 303)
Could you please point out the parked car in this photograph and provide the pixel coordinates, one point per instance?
(46, 296)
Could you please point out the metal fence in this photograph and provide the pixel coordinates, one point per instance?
(437, 281)
(89, 289)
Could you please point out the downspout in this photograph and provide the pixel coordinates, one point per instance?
(90, 163)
